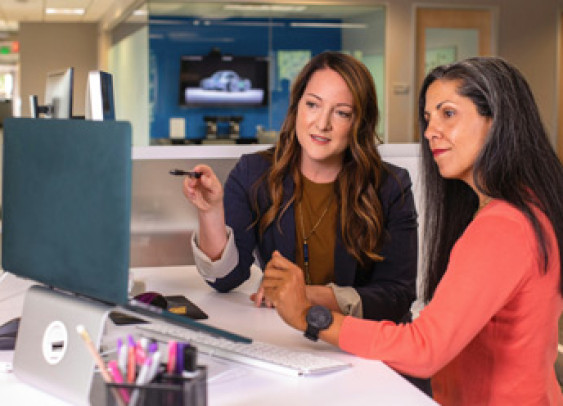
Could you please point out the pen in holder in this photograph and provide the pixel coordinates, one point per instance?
(166, 390)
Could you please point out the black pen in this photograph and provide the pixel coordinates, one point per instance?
(191, 174)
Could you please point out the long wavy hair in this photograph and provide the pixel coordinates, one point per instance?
(357, 184)
(516, 164)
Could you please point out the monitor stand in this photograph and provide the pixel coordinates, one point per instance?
(50, 354)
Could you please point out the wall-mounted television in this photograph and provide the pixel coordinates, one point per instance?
(223, 81)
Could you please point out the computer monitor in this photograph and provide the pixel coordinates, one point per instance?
(99, 96)
(58, 96)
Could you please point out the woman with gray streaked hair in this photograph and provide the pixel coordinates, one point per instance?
(492, 243)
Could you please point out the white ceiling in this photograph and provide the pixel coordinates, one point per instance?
(108, 12)
(266, 8)
(34, 10)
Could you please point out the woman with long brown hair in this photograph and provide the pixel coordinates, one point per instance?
(322, 196)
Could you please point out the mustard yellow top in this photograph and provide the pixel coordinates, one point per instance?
(317, 208)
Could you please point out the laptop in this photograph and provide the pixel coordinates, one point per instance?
(66, 224)
(67, 203)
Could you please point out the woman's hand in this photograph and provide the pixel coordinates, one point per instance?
(322, 295)
(284, 286)
(259, 299)
(205, 192)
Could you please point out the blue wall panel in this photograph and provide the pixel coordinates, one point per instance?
(171, 37)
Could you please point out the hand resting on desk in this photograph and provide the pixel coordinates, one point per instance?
(317, 295)
(284, 285)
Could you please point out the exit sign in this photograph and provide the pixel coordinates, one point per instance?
(9, 47)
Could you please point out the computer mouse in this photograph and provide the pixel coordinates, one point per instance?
(152, 298)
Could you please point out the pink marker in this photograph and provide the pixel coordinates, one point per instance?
(115, 373)
(172, 350)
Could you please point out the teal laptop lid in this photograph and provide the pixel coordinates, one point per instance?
(66, 202)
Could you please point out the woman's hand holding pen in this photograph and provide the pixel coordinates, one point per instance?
(284, 286)
(204, 191)
(206, 194)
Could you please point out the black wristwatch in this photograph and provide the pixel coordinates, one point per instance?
(318, 318)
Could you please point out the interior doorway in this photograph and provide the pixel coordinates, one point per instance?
(449, 35)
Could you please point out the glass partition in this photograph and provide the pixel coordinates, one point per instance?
(206, 64)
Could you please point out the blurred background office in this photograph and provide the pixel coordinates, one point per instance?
(157, 49)
(142, 43)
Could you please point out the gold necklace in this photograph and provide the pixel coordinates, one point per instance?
(306, 238)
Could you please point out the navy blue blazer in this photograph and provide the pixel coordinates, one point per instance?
(386, 288)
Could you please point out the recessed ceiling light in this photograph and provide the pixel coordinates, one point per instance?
(330, 25)
(265, 7)
(67, 11)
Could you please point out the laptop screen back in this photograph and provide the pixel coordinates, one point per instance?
(66, 205)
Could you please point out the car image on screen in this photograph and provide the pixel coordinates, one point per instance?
(227, 81)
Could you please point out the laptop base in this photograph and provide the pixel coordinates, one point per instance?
(50, 354)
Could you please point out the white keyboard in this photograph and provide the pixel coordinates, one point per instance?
(259, 354)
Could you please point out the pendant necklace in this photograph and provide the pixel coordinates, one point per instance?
(306, 238)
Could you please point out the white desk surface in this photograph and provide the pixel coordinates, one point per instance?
(368, 382)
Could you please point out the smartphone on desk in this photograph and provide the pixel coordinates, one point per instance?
(181, 305)
(176, 304)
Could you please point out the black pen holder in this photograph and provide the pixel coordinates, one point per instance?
(166, 390)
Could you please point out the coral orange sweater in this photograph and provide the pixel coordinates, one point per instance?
(489, 335)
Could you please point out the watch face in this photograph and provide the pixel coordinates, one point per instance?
(319, 317)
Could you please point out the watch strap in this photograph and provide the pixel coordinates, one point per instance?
(312, 333)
